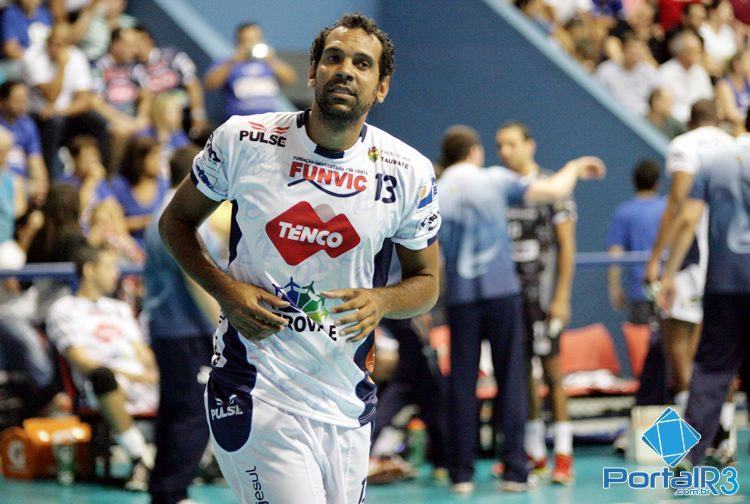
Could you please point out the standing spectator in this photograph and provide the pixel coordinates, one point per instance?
(89, 176)
(250, 78)
(733, 91)
(25, 157)
(163, 69)
(139, 188)
(633, 228)
(684, 76)
(25, 24)
(719, 38)
(112, 365)
(181, 319)
(631, 81)
(660, 105)
(60, 77)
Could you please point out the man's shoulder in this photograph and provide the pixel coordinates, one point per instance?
(64, 306)
(383, 144)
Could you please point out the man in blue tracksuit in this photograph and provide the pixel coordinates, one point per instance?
(483, 294)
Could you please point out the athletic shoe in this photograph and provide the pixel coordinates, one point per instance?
(497, 470)
(388, 470)
(515, 486)
(463, 488)
(139, 477)
(537, 467)
(562, 474)
(440, 475)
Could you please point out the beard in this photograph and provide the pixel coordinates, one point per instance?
(331, 108)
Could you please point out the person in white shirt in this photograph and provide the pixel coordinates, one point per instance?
(684, 76)
(719, 38)
(59, 76)
(632, 81)
(111, 363)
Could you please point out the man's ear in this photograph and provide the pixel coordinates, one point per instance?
(383, 87)
(311, 75)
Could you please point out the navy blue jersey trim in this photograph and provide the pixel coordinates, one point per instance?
(235, 233)
(322, 151)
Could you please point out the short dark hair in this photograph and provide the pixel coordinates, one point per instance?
(141, 28)
(182, 162)
(703, 112)
(457, 143)
(132, 164)
(86, 254)
(357, 20)
(646, 174)
(6, 88)
(525, 130)
(244, 26)
(80, 142)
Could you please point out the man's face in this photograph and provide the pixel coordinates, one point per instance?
(88, 157)
(143, 46)
(105, 273)
(663, 103)
(56, 42)
(691, 52)
(696, 15)
(30, 5)
(513, 149)
(249, 38)
(124, 49)
(633, 53)
(17, 103)
(347, 77)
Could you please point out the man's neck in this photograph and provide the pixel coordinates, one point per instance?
(528, 168)
(656, 118)
(646, 194)
(331, 135)
(684, 66)
(89, 292)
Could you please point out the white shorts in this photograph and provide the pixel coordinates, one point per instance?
(268, 455)
(688, 295)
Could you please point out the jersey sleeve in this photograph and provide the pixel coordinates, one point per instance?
(510, 186)
(682, 156)
(210, 166)
(420, 221)
(564, 210)
(62, 329)
(700, 186)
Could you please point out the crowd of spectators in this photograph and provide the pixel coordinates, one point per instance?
(657, 57)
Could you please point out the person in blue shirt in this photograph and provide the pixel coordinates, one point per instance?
(139, 188)
(181, 319)
(483, 295)
(25, 157)
(250, 79)
(89, 176)
(633, 228)
(721, 186)
(24, 24)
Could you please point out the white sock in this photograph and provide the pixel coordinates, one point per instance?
(534, 439)
(681, 400)
(133, 442)
(563, 432)
(727, 416)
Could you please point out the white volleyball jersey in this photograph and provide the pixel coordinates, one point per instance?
(307, 220)
(107, 330)
(683, 155)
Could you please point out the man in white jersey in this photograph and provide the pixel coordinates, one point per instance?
(685, 315)
(111, 363)
(317, 196)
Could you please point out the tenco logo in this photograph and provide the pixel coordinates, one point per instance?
(299, 233)
(259, 132)
(223, 411)
(336, 181)
(672, 438)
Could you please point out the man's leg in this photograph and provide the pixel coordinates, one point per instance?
(181, 429)
(464, 321)
(720, 352)
(679, 346)
(502, 322)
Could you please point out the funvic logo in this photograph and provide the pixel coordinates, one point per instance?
(304, 298)
(671, 437)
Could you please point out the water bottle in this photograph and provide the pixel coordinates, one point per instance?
(417, 436)
(64, 450)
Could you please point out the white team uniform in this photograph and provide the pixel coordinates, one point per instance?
(683, 156)
(290, 415)
(106, 330)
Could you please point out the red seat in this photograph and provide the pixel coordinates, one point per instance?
(637, 338)
(587, 349)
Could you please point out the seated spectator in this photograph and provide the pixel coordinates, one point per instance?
(105, 348)
(633, 228)
(692, 17)
(719, 38)
(139, 188)
(250, 79)
(89, 176)
(25, 24)
(631, 81)
(167, 69)
(109, 228)
(60, 234)
(60, 78)
(640, 22)
(683, 75)
(659, 114)
(25, 157)
(583, 45)
(733, 91)
(166, 120)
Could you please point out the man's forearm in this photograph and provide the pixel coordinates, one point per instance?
(565, 260)
(666, 233)
(411, 297)
(556, 187)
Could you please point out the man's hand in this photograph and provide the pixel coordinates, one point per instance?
(560, 309)
(617, 297)
(590, 167)
(665, 294)
(242, 306)
(367, 308)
